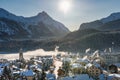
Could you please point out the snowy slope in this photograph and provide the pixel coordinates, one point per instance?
(111, 20)
(51, 24)
(45, 25)
(8, 15)
(112, 17)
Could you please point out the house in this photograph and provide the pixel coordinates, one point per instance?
(78, 77)
(82, 61)
(93, 69)
(29, 74)
(111, 58)
(77, 68)
(113, 68)
(102, 77)
(113, 77)
(118, 67)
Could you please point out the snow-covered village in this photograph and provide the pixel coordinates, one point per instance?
(59, 39)
(61, 66)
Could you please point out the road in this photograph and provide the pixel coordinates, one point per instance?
(57, 64)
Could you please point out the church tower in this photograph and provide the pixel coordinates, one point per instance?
(21, 55)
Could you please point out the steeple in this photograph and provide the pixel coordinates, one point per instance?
(21, 55)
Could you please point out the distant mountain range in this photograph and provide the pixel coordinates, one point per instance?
(109, 23)
(99, 34)
(18, 27)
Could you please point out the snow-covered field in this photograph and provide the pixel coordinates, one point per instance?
(29, 54)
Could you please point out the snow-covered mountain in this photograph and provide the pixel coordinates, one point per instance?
(112, 17)
(8, 15)
(54, 26)
(36, 26)
(109, 23)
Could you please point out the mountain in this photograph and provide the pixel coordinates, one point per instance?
(111, 26)
(55, 27)
(41, 25)
(5, 14)
(96, 35)
(99, 34)
(105, 24)
(112, 17)
(91, 25)
(95, 41)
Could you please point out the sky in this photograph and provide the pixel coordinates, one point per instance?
(71, 15)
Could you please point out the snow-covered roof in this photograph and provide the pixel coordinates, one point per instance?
(50, 76)
(95, 54)
(115, 75)
(33, 66)
(117, 64)
(78, 77)
(83, 60)
(76, 65)
(97, 60)
(111, 76)
(89, 65)
(66, 59)
(15, 72)
(85, 57)
(39, 61)
(28, 73)
(94, 64)
(39, 69)
(1, 71)
(4, 64)
(102, 76)
(52, 68)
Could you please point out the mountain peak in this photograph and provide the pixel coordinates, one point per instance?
(41, 16)
(50, 24)
(43, 13)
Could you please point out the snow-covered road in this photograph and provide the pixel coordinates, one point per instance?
(57, 65)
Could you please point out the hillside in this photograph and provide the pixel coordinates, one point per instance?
(40, 25)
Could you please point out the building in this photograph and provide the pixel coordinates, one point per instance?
(28, 74)
(118, 67)
(78, 77)
(113, 69)
(111, 58)
(76, 68)
(113, 77)
(21, 55)
(93, 69)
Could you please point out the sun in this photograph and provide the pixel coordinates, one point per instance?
(65, 5)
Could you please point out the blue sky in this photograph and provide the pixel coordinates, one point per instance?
(81, 11)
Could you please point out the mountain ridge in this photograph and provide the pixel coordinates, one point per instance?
(96, 35)
(100, 23)
(40, 21)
